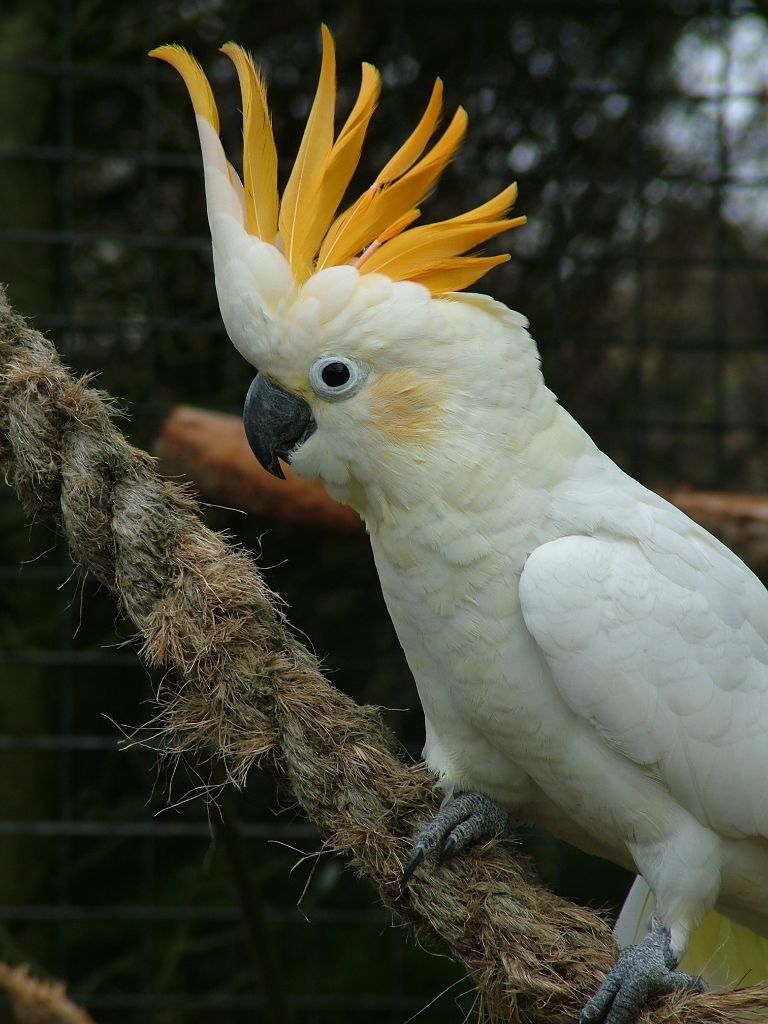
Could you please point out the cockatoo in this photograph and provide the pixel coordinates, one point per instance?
(587, 657)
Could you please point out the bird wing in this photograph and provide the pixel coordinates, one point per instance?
(661, 643)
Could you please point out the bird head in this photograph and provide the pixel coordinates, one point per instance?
(373, 366)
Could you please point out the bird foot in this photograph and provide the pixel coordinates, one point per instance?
(465, 818)
(640, 973)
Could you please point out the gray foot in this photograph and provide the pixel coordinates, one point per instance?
(467, 817)
(640, 973)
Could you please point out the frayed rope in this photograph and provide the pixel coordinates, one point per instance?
(245, 690)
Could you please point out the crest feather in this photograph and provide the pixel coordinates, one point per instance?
(410, 253)
(460, 272)
(197, 84)
(387, 204)
(374, 233)
(297, 209)
(345, 156)
(259, 152)
(416, 143)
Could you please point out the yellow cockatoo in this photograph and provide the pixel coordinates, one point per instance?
(587, 657)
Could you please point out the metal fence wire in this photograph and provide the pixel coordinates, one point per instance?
(638, 133)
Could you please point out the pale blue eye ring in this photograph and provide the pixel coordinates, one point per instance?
(336, 377)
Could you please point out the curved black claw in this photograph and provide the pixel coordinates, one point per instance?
(417, 856)
(467, 817)
(640, 973)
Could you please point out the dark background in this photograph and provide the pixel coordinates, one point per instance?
(639, 135)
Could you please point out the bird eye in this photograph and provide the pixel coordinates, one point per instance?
(335, 377)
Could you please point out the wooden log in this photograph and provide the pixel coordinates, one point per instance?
(211, 450)
(714, 506)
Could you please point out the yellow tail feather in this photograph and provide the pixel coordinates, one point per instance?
(727, 955)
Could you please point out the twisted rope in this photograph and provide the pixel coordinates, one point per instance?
(246, 689)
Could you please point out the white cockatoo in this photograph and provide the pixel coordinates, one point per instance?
(587, 657)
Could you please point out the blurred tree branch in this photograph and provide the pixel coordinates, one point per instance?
(210, 449)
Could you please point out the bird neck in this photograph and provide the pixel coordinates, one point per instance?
(495, 462)
(510, 503)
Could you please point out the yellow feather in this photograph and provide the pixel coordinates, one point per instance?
(392, 201)
(415, 144)
(197, 84)
(445, 234)
(259, 153)
(344, 156)
(301, 192)
(399, 225)
(237, 185)
(492, 210)
(394, 229)
(457, 273)
(727, 954)
(416, 251)
(373, 228)
(327, 255)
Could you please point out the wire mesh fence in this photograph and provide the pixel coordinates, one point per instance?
(639, 136)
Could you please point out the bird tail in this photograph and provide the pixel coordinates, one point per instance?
(727, 955)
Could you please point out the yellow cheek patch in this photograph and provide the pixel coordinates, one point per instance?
(406, 407)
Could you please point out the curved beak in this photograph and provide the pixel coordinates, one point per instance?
(276, 423)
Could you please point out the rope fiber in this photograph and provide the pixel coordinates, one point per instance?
(244, 689)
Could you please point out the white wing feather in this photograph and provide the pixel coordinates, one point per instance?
(661, 643)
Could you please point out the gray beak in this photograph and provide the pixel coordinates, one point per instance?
(276, 423)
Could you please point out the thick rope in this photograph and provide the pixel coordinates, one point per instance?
(246, 689)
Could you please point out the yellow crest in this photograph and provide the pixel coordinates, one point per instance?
(374, 232)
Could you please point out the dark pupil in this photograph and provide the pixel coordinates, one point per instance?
(335, 374)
